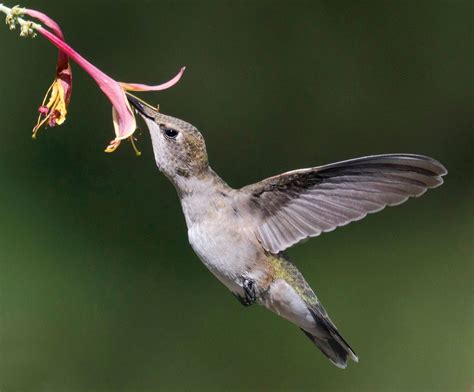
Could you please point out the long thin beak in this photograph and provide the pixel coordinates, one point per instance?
(142, 107)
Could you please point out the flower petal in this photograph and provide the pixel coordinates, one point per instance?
(63, 70)
(146, 87)
(118, 132)
(46, 20)
(123, 115)
(54, 112)
(125, 118)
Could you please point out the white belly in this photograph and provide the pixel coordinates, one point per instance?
(224, 251)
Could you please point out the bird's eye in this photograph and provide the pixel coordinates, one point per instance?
(170, 133)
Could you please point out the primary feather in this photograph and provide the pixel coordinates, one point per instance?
(304, 203)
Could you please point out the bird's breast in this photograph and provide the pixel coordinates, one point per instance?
(224, 250)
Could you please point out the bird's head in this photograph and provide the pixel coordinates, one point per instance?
(179, 148)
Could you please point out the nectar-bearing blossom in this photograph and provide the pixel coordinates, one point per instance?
(53, 109)
(123, 115)
(53, 112)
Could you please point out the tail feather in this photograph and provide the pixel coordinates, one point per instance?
(289, 296)
(333, 346)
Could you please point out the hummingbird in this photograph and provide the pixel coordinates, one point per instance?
(241, 234)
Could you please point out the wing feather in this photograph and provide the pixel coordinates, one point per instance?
(304, 203)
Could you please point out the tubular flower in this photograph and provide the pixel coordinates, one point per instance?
(123, 115)
(54, 111)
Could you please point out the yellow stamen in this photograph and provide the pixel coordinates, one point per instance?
(137, 151)
(57, 102)
(56, 106)
(40, 121)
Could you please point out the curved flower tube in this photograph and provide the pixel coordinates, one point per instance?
(123, 115)
(54, 111)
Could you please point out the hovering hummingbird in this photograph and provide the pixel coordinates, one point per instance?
(241, 234)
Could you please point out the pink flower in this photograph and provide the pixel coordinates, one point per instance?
(53, 112)
(53, 109)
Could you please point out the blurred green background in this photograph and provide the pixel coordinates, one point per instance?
(99, 288)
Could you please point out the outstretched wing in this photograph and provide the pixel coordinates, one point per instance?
(304, 203)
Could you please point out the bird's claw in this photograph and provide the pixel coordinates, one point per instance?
(250, 294)
(249, 290)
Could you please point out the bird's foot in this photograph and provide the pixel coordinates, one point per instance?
(242, 300)
(250, 294)
(249, 290)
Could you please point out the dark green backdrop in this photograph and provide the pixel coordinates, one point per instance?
(99, 289)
